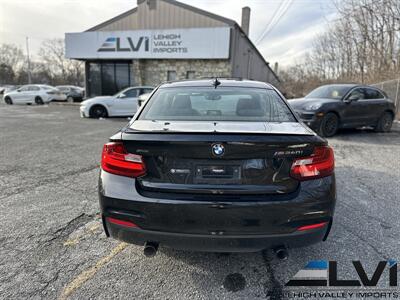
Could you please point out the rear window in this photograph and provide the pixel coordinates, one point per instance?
(221, 104)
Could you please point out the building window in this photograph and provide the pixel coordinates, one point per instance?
(94, 79)
(108, 78)
(190, 74)
(171, 75)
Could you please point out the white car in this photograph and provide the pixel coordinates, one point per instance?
(33, 93)
(124, 103)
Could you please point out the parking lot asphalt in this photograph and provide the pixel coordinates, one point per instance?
(52, 244)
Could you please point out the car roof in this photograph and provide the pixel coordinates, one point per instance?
(70, 86)
(231, 82)
(139, 87)
(32, 84)
(354, 85)
(351, 85)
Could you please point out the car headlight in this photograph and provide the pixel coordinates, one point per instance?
(313, 106)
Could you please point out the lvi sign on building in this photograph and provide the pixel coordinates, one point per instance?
(190, 43)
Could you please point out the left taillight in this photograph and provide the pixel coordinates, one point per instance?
(320, 163)
(116, 160)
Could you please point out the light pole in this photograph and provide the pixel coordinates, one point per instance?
(29, 61)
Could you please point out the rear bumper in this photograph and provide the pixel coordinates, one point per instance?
(203, 242)
(47, 99)
(58, 97)
(225, 226)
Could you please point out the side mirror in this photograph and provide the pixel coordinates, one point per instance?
(18, 90)
(122, 95)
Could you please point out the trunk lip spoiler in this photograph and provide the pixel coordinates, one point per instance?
(149, 126)
(290, 139)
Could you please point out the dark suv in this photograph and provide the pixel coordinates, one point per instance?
(217, 165)
(331, 107)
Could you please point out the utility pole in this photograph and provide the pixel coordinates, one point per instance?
(29, 61)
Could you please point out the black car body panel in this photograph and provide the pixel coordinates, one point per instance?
(251, 164)
(219, 223)
(351, 113)
(192, 198)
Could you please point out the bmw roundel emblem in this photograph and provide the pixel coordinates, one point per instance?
(218, 149)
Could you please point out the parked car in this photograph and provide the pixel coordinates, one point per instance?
(72, 93)
(33, 93)
(217, 166)
(124, 103)
(331, 107)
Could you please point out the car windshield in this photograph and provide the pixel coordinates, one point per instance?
(329, 92)
(221, 104)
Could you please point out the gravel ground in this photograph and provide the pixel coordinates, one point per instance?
(52, 244)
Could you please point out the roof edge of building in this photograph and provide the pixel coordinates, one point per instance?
(116, 18)
(257, 51)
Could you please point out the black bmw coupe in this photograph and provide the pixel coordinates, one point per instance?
(217, 165)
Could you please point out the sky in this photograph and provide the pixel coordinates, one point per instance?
(285, 41)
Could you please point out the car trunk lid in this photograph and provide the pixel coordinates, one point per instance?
(183, 160)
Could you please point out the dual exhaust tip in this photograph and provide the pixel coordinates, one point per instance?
(150, 250)
(281, 253)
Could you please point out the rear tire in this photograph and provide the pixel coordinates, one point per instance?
(385, 122)
(8, 100)
(39, 101)
(98, 111)
(329, 125)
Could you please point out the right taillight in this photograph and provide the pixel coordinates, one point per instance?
(116, 160)
(320, 163)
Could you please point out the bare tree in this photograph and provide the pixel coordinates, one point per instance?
(362, 45)
(60, 69)
(11, 61)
